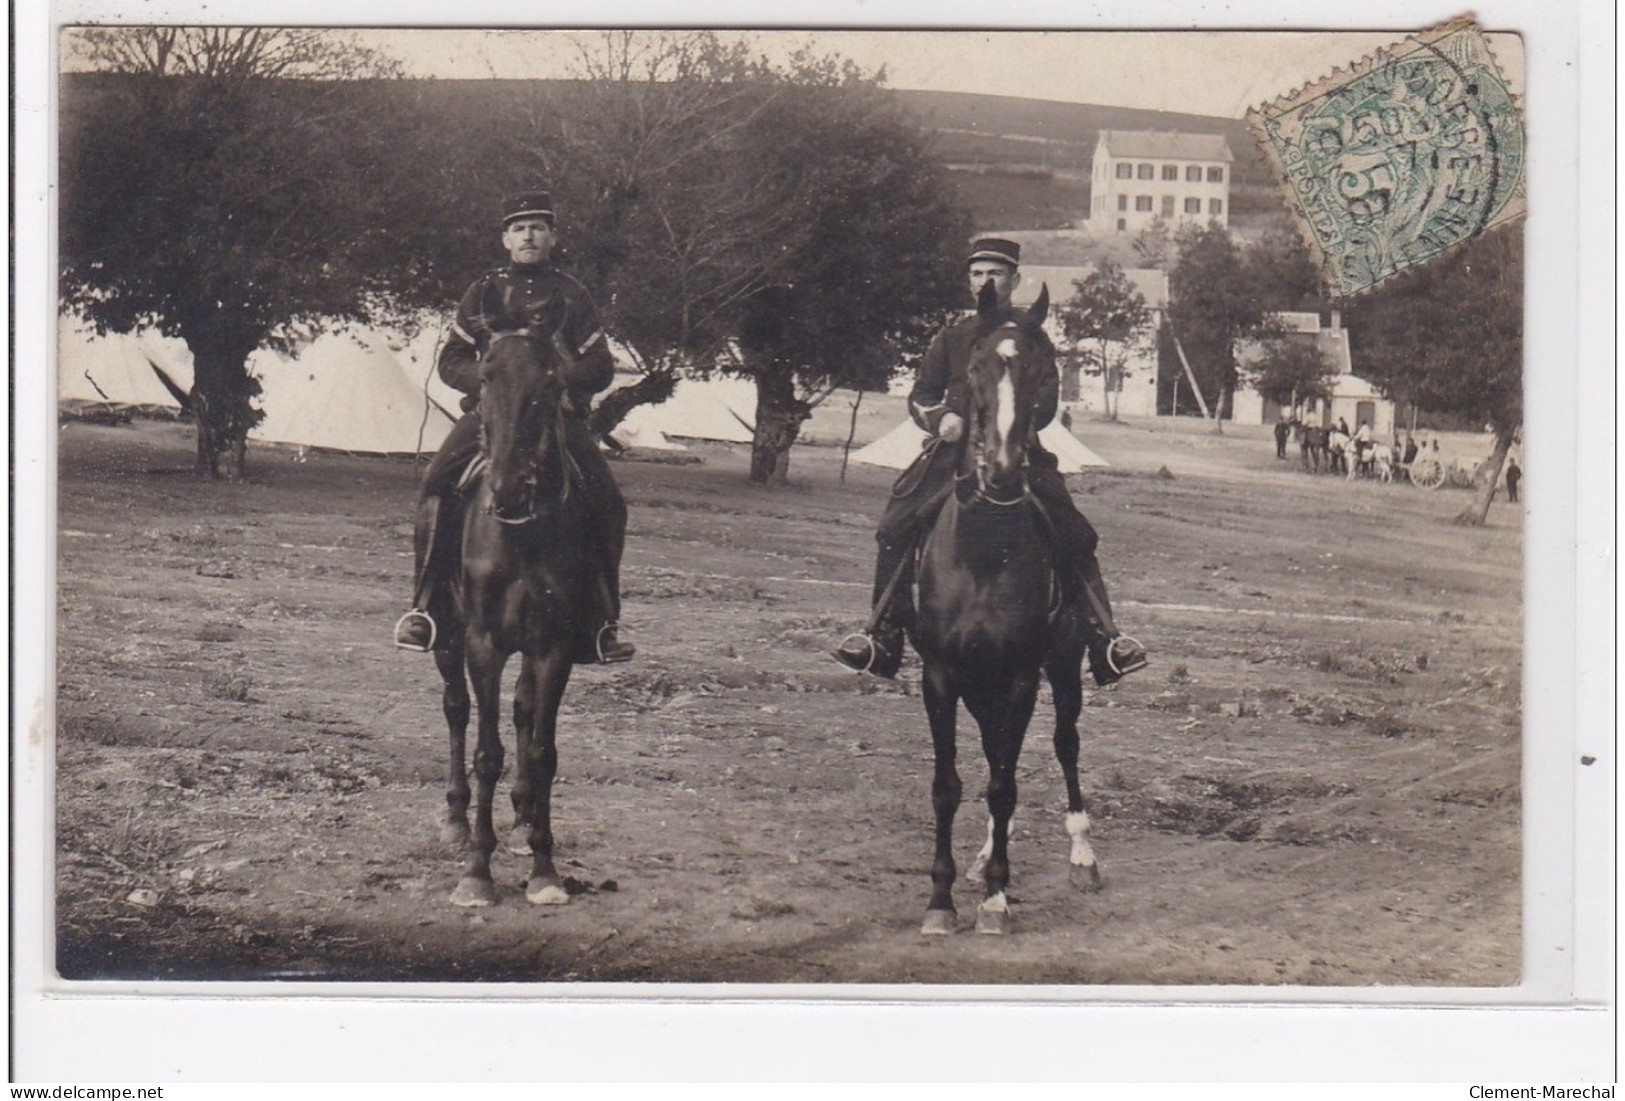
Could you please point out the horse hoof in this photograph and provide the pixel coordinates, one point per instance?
(939, 923)
(519, 841)
(474, 892)
(993, 923)
(456, 835)
(1086, 877)
(546, 892)
(993, 916)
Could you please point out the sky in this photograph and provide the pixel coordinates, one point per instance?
(1219, 73)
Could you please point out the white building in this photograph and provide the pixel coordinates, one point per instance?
(1082, 392)
(1141, 175)
(1353, 398)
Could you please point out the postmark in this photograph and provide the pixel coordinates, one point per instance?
(1396, 160)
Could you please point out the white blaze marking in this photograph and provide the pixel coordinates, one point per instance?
(1007, 408)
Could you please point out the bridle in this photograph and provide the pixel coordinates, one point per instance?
(550, 438)
(984, 491)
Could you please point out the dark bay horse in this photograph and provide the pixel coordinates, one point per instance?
(1313, 446)
(987, 624)
(521, 590)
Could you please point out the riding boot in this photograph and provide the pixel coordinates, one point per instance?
(1112, 654)
(417, 630)
(878, 649)
(603, 646)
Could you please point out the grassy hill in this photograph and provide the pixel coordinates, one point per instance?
(1023, 164)
(1017, 164)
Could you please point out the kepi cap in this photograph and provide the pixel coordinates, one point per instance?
(996, 248)
(531, 204)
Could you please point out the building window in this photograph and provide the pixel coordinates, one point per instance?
(1193, 174)
(1215, 206)
(1170, 171)
(1193, 206)
(1142, 202)
(1148, 171)
(1122, 202)
(1215, 175)
(1125, 171)
(1122, 224)
(1167, 206)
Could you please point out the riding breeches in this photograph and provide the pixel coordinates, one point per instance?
(920, 494)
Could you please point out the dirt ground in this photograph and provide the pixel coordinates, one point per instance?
(1316, 782)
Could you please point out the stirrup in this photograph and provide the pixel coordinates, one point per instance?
(598, 645)
(1111, 655)
(869, 642)
(416, 614)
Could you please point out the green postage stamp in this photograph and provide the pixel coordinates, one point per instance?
(1395, 160)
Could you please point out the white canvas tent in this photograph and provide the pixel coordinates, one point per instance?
(117, 370)
(345, 392)
(701, 409)
(897, 448)
(645, 437)
(417, 356)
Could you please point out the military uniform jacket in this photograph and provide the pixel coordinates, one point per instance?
(512, 297)
(942, 385)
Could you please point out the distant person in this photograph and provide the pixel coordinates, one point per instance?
(504, 299)
(1410, 449)
(1514, 475)
(1364, 445)
(1283, 429)
(938, 404)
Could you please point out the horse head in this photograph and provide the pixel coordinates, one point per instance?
(1007, 365)
(522, 400)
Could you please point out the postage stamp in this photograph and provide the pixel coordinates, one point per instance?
(1399, 158)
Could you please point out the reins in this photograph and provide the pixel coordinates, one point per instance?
(983, 495)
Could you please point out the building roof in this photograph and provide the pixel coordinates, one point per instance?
(1150, 282)
(1166, 145)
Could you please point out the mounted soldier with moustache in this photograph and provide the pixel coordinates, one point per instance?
(938, 404)
(506, 299)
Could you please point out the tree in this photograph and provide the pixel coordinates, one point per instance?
(1448, 336)
(1106, 317)
(779, 221)
(1154, 245)
(1212, 304)
(1291, 371)
(229, 186)
(1282, 273)
(879, 266)
(675, 214)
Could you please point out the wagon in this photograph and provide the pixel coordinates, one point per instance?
(1427, 471)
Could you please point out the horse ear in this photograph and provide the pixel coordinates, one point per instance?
(987, 300)
(1040, 308)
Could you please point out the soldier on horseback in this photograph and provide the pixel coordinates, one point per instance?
(938, 404)
(507, 299)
